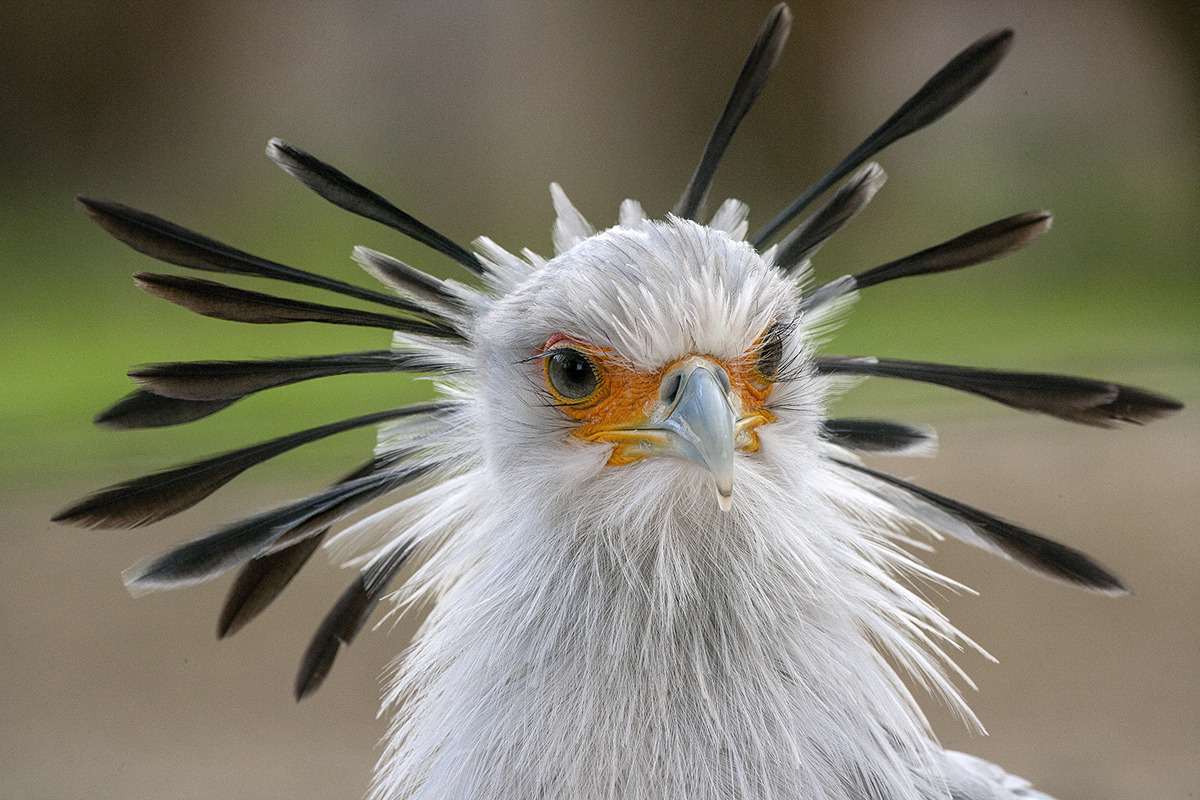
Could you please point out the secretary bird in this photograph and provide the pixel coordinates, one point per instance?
(657, 567)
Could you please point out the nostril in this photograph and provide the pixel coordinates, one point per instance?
(669, 389)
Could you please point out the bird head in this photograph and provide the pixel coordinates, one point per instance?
(657, 340)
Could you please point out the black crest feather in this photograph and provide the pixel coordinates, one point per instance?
(842, 206)
(877, 435)
(764, 55)
(232, 380)
(996, 535)
(261, 580)
(264, 577)
(143, 409)
(236, 544)
(342, 190)
(219, 301)
(948, 87)
(1082, 400)
(408, 279)
(155, 497)
(985, 243)
(177, 245)
(347, 617)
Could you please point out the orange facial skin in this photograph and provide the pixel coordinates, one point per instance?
(627, 399)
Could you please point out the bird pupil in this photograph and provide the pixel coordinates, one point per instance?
(571, 374)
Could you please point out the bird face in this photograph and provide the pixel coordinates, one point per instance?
(697, 408)
(678, 358)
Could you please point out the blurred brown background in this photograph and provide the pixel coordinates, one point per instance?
(462, 113)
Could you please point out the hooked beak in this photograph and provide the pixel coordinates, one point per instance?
(693, 420)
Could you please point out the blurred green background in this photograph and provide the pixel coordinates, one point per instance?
(462, 113)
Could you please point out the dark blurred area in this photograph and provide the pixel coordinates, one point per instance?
(462, 113)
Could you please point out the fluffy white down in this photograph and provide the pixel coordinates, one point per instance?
(607, 632)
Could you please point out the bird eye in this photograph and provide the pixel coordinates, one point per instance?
(573, 377)
(770, 353)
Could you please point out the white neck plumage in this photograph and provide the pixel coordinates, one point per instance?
(728, 655)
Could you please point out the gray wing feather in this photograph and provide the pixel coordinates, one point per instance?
(971, 778)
